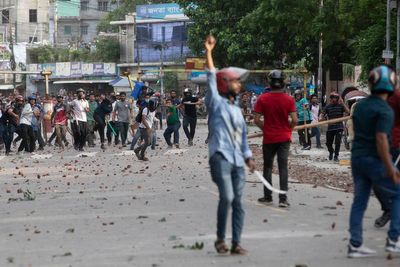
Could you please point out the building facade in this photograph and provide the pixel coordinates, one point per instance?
(26, 21)
(74, 22)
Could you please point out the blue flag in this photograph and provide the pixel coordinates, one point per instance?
(137, 90)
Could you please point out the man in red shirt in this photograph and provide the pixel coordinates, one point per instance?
(276, 107)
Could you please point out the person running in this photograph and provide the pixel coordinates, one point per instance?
(304, 117)
(315, 113)
(276, 107)
(90, 120)
(103, 109)
(28, 138)
(173, 124)
(122, 110)
(229, 151)
(146, 128)
(79, 108)
(189, 103)
(334, 110)
(371, 161)
(60, 122)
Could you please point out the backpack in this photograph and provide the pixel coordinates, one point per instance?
(140, 115)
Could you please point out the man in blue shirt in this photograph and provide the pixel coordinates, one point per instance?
(228, 148)
(304, 116)
(371, 161)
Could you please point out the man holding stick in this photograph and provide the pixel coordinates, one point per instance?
(228, 148)
(276, 107)
(304, 117)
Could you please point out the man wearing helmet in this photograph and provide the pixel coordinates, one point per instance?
(334, 110)
(228, 148)
(79, 108)
(276, 107)
(371, 161)
(145, 128)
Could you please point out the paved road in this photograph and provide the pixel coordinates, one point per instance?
(107, 209)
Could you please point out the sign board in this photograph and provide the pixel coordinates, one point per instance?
(388, 54)
(195, 63)
(159, 11)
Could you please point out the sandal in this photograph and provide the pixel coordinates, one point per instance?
(236, 249)
(221, 247)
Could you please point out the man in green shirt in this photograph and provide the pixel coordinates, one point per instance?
(173, 124)
(90, 120)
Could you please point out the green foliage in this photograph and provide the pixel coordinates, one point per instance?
(107, 50)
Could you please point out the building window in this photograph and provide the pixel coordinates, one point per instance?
(32, 15)
(84, 5)
(33, 39)
(5, 16)
(67, 30)
(102, 6)
(84, 30)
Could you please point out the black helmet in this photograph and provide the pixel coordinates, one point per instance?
(153, 104)
(277, 78)
(187, 92)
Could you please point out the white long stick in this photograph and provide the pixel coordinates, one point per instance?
(268, 185)
(397, 161)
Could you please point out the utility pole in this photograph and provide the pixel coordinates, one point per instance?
(319, 79)
(387, 49)
(162, 61)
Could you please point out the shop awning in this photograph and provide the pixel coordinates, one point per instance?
(81, 81)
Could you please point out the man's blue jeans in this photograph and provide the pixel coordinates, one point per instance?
(316, 132)
(135, 138)
(367, 172)
(168, 132)
(230, 180)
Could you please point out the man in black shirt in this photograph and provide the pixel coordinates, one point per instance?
(189, 103)
(334, 110)
(10, 121)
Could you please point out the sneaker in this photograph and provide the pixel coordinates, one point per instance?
(266, 201)
(190, 143)
(306, 148)
(145, 159)
(103, 146)
(392, 246)
(331, 156)
(177, 146)
(284, 204)
(336, 159)
(319, 147)
(359, 252)
(383, 220)
(169, 147)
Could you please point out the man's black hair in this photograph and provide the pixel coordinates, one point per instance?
(314, 95)
(122, 94)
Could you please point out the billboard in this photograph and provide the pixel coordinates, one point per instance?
(159, 11)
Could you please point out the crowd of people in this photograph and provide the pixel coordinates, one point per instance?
(89, 118)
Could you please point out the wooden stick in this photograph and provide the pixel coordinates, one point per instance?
(311, 125)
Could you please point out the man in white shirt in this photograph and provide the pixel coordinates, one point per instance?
(26, 130)
(315, 112)
(145, 128)
(79, 108)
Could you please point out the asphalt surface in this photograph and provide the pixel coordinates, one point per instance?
(107, 209)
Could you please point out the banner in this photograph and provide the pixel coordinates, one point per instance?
(76, 69)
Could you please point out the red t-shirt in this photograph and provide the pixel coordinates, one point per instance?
(394, 102)
(276, 107)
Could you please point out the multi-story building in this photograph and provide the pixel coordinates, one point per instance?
(76, 20)
(27, 21)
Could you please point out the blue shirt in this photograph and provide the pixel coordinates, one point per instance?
(228, 131)
(371, 115)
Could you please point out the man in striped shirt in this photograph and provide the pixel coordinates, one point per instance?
(335, 109)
